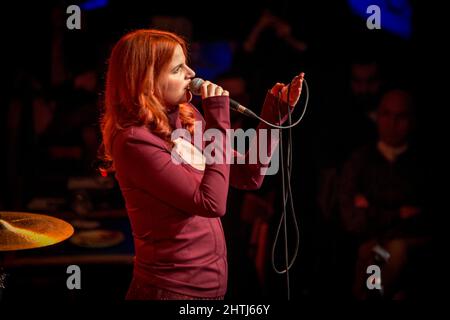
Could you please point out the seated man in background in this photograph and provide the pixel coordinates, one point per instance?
(383, 198)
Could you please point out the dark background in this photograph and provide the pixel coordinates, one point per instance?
(335, 38)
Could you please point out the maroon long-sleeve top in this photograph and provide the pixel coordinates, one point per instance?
(175, 209)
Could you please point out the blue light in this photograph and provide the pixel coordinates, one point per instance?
(395, 14)
(213, 59)
(94, 4)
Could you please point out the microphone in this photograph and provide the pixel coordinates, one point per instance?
(195, 88)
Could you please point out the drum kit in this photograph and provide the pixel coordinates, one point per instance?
(20, 230)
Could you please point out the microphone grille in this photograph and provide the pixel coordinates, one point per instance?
(195, 86)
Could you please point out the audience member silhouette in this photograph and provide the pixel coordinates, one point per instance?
(383, 196)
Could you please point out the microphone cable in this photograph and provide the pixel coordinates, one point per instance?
(305, 84)
(286, 184)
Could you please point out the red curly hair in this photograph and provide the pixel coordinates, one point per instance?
(133, 69)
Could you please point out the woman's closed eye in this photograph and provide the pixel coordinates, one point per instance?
(177, 68)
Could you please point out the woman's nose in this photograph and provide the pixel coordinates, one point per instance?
(191, 73)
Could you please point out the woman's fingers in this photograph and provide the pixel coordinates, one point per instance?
(218, 91)
(204, 89)
(297, 82)
(295, 90)
(277, 88)
(210, 89)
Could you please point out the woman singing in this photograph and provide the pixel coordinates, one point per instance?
(174, 205)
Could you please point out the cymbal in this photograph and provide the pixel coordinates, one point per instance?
(21, 230)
